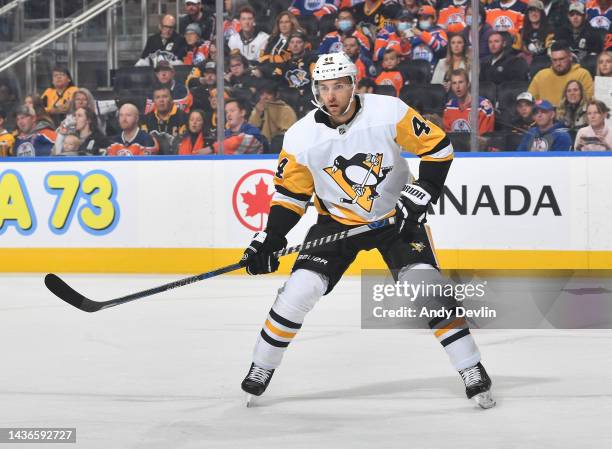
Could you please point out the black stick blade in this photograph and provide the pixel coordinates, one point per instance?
(66, 293)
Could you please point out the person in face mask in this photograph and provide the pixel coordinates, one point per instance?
(429, 40)
(452, 16)
(484, 30)
(345, 25)
(395, 38)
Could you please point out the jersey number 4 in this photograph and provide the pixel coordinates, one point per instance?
(420, 127)
(281, 168)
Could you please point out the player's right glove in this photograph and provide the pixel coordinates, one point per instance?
(411, 210)
(258, 258)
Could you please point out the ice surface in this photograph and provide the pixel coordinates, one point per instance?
(165, 373)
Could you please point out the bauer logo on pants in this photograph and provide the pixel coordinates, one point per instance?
(251, 198)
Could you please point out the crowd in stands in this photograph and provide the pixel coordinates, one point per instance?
(545, 76)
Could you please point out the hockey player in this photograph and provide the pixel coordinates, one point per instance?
(347, 154)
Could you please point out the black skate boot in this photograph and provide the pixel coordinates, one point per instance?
(478, 385)
(256, 382)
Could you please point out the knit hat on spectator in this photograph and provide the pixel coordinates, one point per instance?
(194, 28)
(535, 4)
(543, 105)
(525, 96)
(576, 6)
(163, 65)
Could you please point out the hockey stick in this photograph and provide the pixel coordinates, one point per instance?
(66, 293)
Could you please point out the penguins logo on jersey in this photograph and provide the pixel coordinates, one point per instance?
(358, 178)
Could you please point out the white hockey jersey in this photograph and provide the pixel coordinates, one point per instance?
(250, 49)
(355, 171)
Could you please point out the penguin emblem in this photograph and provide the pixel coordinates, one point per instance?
(358, 177)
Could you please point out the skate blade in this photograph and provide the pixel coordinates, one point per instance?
(484, 400)
(250, 400)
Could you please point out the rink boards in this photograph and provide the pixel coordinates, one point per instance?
(169, 214)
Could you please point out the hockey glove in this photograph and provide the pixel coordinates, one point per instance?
(411, 210)
(258, 258)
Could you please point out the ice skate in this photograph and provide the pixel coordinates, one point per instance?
(478, 385)
(256, 382)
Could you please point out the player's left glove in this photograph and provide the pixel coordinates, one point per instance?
(258, 258)
(411, 210)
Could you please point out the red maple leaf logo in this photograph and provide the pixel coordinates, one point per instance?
(258, 203)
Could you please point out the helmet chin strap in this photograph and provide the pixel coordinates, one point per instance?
(321, 106)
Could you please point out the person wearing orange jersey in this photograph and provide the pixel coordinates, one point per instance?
(390, 75)
(132, 141)
(452, 16)
(456, 115)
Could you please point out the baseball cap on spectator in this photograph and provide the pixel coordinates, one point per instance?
(525, 96)
(194, 28)
(24, 110)
(535, 4)
(193, 1)
(543, 105)
(427, 10)
(163, 65)
(405, 15)
(210, 66)
(576, 6)
(298, 34)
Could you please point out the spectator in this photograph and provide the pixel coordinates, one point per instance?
(164, 72)
(7, 140)
(249, 42)
(547, 134)
(572, 110)
(411, 6)
(240, 136)
(132, 141)
(372, 15)
(390, 75)
(456, 115)
(210, 121)
(365, 67)
(429, 41)
(56, 99)
(604, 64)
(556, 12)
(166, 121)
(36, 104)
(395, 37)
(581, 37)
(345, 25)
(194, 13)
(70, 146)
(196, 49)
(192, 140)
(295, 73)
(93, 141)
(548, 83)
(366, 86)
(599, 13)
(484, 29)
(457, 57)
(523, 117)
(536, 35)
(239, 75)
(502, 65)
(200, 87)
(270, 114)
(167, 44)
(597, 136)
(452, 16)
(602, 81)
(318, 8)
(276, 49)
(507, 16)
(34, 137)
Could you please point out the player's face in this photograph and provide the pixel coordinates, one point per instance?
(496, 44)
(128, 118)
(247, 22)
(560, 62)
(543, 118)
(80, 119)
(284, 25)
(351, 47)
(25, 123)
(60, 80)
(234, 115)
(335, 95)
(296, 46)
(459, 86)
(162, 100)
(605, 65)
(164, 76)
(524, 109)
(390, 61)
(457, 45)
(191, 38)
(573, 94)
(594, 117)
(196, 123)
(575, 19)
